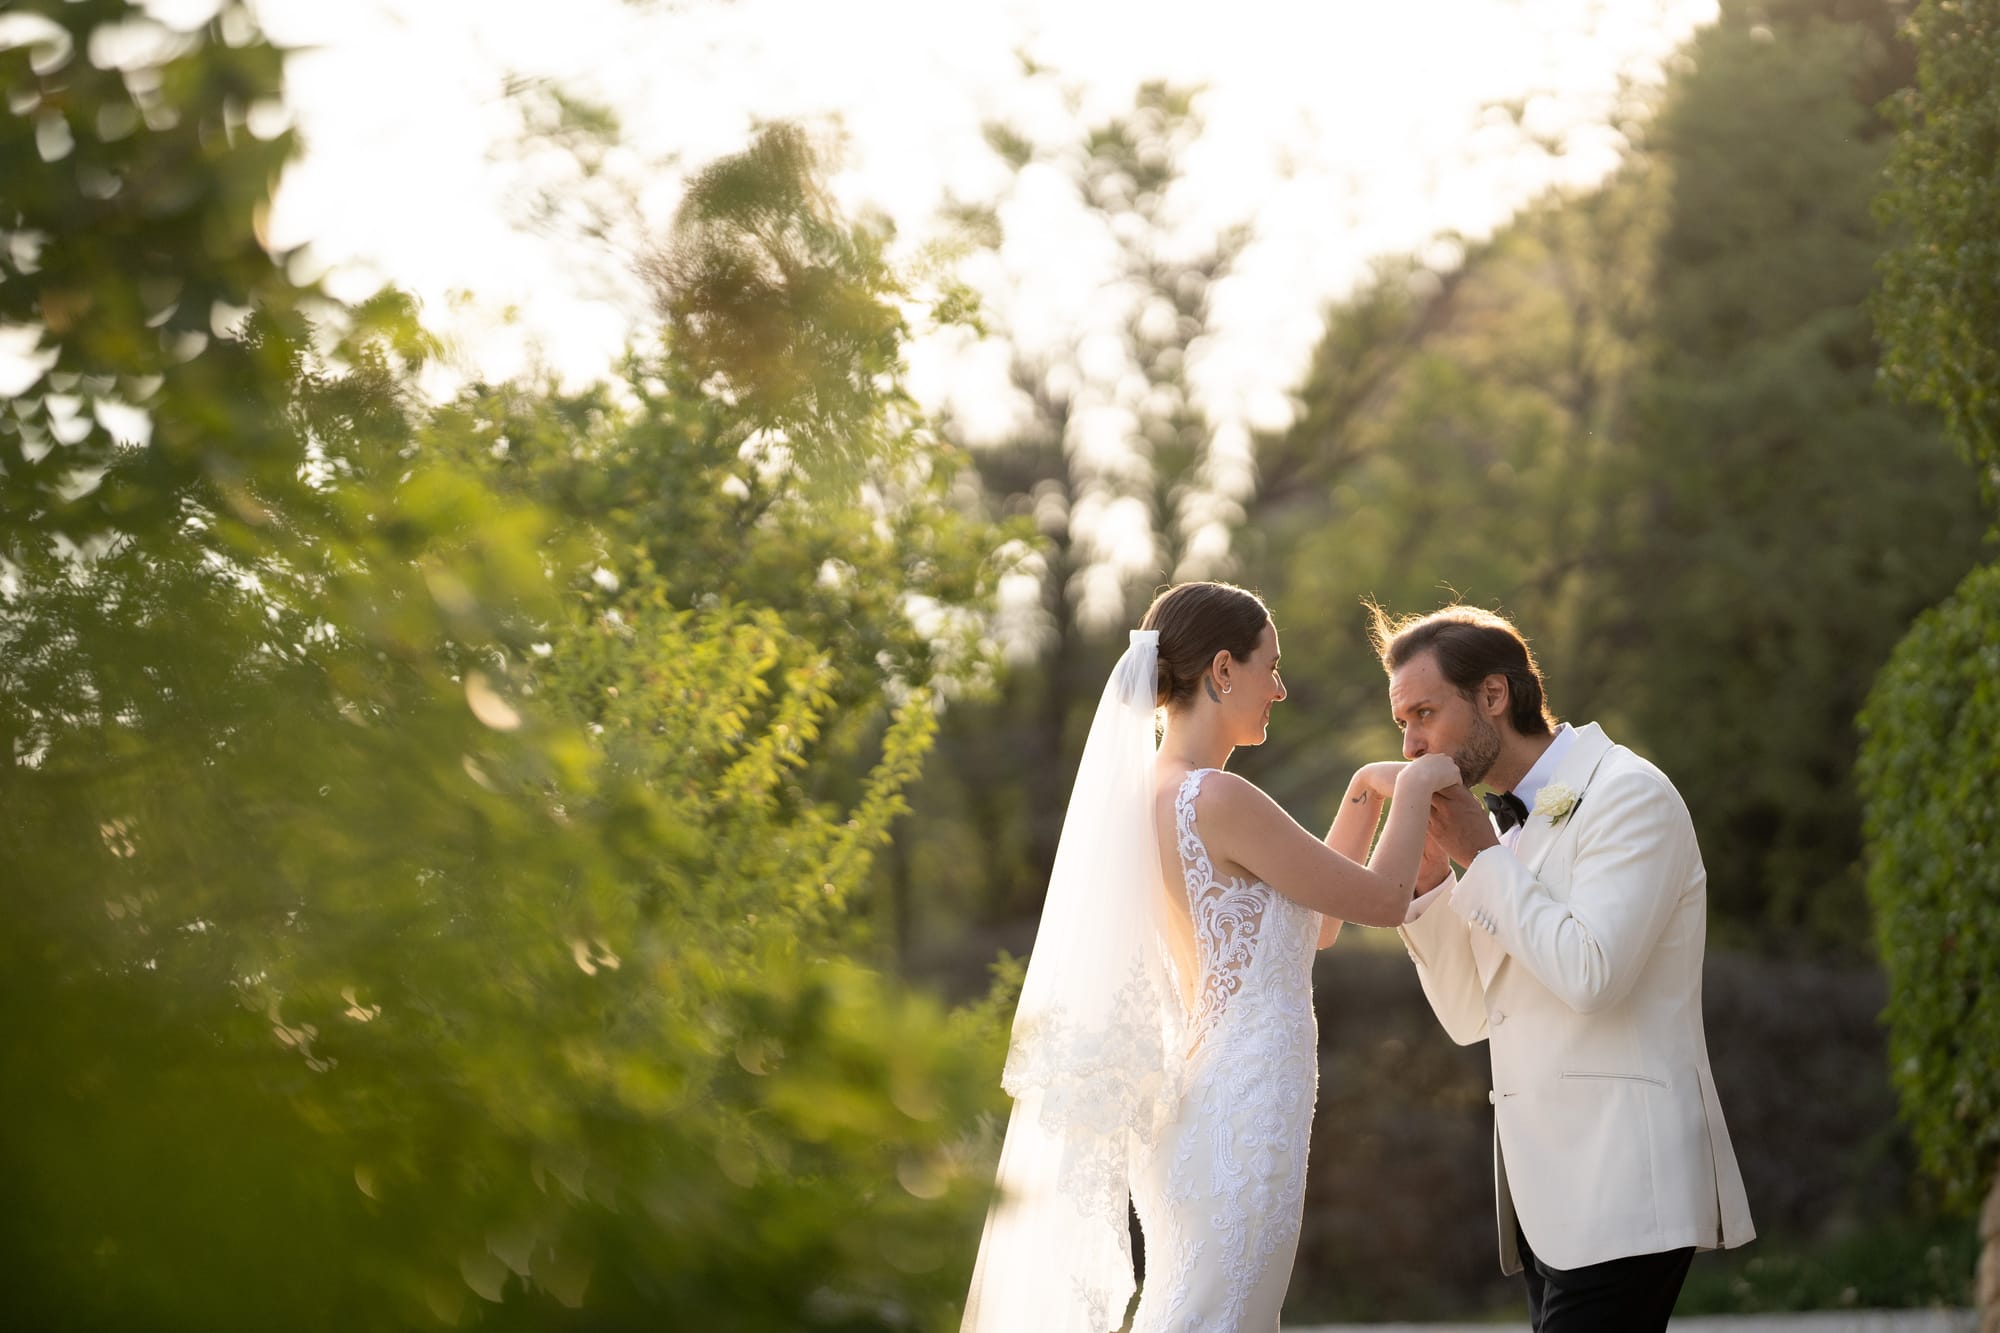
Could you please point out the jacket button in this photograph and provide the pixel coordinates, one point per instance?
(1492, 1097)
(1498, 1018)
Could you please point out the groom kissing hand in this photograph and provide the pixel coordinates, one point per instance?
(1572, 944)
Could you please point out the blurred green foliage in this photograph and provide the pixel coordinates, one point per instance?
(1933, 819)
(1927, 767)
(438, 838)
(1938, 305)
(1646, 420)
(1880, 1267)
(1782, 518)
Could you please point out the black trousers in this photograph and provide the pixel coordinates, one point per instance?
(1630, 1295)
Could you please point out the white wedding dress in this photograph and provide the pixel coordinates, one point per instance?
(1221, 1194)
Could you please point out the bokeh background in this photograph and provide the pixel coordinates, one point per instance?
(554, 570)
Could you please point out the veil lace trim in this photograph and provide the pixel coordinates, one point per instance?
(1095, 1061)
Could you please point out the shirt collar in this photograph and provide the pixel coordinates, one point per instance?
(1545, 767)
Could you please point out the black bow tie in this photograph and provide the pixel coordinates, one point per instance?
(1506, 808)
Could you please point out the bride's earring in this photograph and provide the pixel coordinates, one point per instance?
(1227, 688)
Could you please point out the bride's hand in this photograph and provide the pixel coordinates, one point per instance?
(1429, 774)
(1378, 780)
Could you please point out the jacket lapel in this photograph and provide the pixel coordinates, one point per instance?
(1540, 834)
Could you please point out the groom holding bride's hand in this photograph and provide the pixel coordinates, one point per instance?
(1572, 943)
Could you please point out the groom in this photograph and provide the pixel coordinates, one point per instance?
(1572, 944)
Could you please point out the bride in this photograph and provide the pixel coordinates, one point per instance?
(1164, 1050)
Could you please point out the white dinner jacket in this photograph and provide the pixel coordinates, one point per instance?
(1577, 956)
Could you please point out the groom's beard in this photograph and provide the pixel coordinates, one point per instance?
(1475, 757)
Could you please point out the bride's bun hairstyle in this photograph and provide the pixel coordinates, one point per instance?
(1196, 621)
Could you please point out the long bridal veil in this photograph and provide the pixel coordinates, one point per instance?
(1096, 1042)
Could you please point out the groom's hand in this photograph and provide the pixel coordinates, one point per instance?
(1460, 825)
(1435, 868)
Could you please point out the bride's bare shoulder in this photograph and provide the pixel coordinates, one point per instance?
(1236, 812)
(1220, 782)
(1224, 799)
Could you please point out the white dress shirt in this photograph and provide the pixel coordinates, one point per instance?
(1529, 787)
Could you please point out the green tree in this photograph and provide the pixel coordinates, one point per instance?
(1937, 316)
(846, 517)
(1453, 438)
(1926, 766)
(1927, 771)
(1117, 480)
(1645, 420)
(402, 927)
(1782, 520)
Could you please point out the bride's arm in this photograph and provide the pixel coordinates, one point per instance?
(1354, 826)
(1242, 825)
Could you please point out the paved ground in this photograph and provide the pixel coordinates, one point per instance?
(1857, 1321)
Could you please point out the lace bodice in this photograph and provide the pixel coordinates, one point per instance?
(1230, 919)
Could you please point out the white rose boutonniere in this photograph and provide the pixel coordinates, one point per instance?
(1556, 801)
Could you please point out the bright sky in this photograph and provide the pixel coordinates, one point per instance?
(1338, 130)
(1342, 129)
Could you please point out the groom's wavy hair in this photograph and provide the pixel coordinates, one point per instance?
(1196, 621)
(1470, 645)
